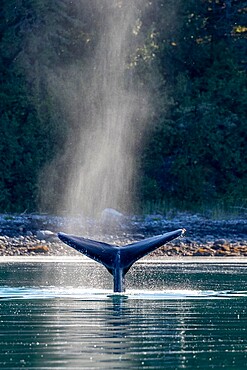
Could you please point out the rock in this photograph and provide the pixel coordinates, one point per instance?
(187, 241)
(138, 236)
(222, 253)
(45, 234)
(175, 250)
(204, 252)
(226, 247)
(110, 212)
(220, 242)
(154, 218)
(222, 246)
(111, 217)
(204, 236)
(38, 249)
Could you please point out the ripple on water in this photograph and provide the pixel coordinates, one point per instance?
(55, 316)
(32, 293)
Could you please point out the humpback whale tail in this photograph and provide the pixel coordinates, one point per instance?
(118, 259)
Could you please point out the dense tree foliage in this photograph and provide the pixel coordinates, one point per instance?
(191, 55)
(197, 153)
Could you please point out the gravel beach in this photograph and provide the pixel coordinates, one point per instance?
(32, 234)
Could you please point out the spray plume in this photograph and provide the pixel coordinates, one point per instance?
(105, 107)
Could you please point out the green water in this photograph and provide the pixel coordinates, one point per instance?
(63, 315)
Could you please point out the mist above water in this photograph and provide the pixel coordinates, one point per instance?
(105, 108)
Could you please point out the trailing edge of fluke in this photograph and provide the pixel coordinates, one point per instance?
(118, 259)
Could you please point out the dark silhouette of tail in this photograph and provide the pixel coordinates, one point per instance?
(118, 259)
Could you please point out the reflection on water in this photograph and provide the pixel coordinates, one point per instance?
(13, 293)
(176, 316)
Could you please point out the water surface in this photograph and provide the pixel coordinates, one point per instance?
(57, 314)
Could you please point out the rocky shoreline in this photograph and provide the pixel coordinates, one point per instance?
(31, 234)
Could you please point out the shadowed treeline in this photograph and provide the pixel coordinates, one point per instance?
(179, 82)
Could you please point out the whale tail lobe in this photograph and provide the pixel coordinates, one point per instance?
(118, 259)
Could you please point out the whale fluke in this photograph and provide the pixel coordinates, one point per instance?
(118, 259)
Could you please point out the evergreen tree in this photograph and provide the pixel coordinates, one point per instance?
(197, 153)
(191, 55)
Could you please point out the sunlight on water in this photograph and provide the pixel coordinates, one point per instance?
(32, 293)
(62, 315)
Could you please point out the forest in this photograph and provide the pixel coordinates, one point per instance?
(191, 54)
